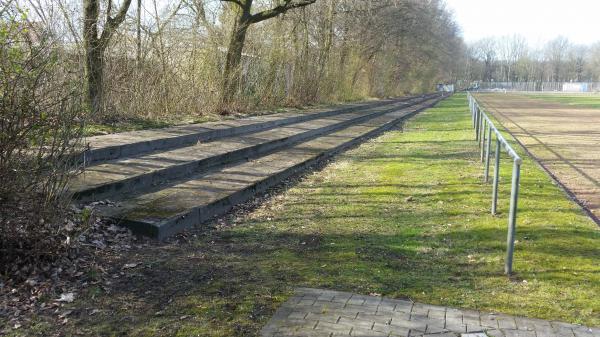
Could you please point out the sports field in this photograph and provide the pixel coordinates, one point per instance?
(562, 131)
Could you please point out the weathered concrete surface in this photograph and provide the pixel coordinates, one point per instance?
(130, 174)
(169, 209)
(317, 312)
(121, 145)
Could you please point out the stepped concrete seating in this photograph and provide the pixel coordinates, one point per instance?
(161, 193)
(104, 180)
(125, 144)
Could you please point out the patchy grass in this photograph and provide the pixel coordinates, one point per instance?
(588, 101)
(404, 215)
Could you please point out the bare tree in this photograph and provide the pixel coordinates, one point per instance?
(511, 50)
(485, 50)
(243, 20)
(556, 51)
(95, 44)
(576, 63)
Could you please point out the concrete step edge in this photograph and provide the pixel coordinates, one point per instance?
(102, 154)
(143, 181)
(197, 215)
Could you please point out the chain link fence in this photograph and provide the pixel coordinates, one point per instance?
(571, 87)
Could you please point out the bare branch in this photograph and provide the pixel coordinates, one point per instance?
(72, 29)
(5, 7)
(237, 2)
(113, 22)
(278, 10)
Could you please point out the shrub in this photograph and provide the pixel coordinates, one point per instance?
(40, 128)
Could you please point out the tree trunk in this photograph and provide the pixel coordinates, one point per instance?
(245, 18)
(325, 51)
(95, 46)
(93, 56)
(138, 21)
(232, 71)
(94, 68)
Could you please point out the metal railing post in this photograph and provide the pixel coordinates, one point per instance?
(477, 120)
(512, 217)
(472, 107)
(482, 142)
(496, 178)
(481, 126)
(472, 110)
(488, 145)
(475, 113)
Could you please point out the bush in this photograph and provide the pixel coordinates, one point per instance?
(40, 128)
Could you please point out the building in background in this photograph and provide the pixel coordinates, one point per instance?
(445, 87)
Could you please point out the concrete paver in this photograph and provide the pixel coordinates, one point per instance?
(319, 312)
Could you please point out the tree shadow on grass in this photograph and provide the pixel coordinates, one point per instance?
(247, 272)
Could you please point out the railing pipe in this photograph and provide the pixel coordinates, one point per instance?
(477, 122)
(512, 217)
(496, 177)
(488, 145)
(484, 128)
(482, 142)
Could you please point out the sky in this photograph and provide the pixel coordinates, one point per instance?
(536, 20)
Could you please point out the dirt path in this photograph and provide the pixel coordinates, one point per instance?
(562, 138)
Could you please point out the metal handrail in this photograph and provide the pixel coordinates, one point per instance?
(484, 127)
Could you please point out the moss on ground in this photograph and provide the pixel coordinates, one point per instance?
(404, 215)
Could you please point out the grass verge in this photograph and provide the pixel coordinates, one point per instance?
(404, 215)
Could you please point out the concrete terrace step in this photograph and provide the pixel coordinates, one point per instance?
(126, 144)
(124, 175)
(170, 208)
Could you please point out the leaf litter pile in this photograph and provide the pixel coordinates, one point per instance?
(48, 287)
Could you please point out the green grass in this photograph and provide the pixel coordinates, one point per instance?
(575, 100)
(404, 215)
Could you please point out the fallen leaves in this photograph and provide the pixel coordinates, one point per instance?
(48, 290)
(64, 314)
(66, 297)
(131, 265)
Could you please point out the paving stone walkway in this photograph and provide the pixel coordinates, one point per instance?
(316, 312)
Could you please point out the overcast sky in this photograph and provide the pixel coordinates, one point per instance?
(536, 20)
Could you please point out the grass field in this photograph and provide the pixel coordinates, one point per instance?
(591, 101)
(404, 215)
